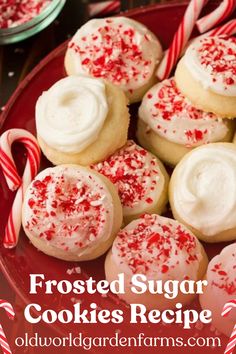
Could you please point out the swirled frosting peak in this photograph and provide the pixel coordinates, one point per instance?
(204, 188)
(71, 114)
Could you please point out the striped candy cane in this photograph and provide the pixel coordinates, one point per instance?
(180, 39)
(3, 339)
(232, 340)
(13, 179)
(215, 17)
(104, 8)
(227, 29)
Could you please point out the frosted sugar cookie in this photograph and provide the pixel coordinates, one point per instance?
(202, 192)
(207, 75)
(161, 249)
(119, 50)
(71, 212)
(141, 180)
(221, 288)
(170, 126)
(81, 120)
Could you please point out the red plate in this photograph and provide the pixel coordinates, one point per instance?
(17, 264)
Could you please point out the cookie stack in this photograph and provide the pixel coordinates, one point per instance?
(195, 107)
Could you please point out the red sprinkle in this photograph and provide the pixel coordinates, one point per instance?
(164, 269)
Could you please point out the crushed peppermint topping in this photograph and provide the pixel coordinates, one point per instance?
(171, 102)
(225, 275)
(135, 172)
(173, 116)
(75, 270)
(157, 245)
(217, 55)
(62, 208)
(115, 52)
(16, 12)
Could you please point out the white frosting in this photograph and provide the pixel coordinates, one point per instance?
(69, 208)
(71, 114)
(221, 277)
(212, 62)
(169, 114)
(118, 49)
(204, 191)
(136, 174)
(158, 247)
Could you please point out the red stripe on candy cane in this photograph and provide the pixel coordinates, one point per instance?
(10, 177)
(217, 16)
(12, 228)
(33, 155)
(228, 307)
(227, 29)
(180, 39)
(232, 340)
(103, 8)
(11, 315)
(14, 180)
(113, 7)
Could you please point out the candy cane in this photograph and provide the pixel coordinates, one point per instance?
(180, 39)
(232, 340)
(218, 15)
(103, 8)
(227, 29)
(13, 179)
(3, 339)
